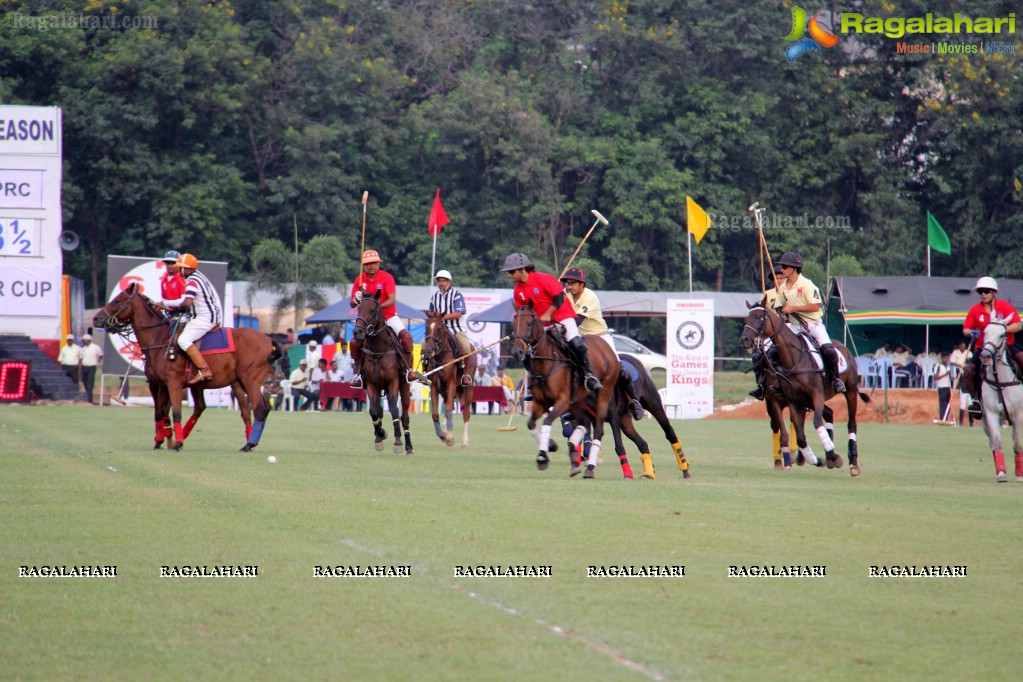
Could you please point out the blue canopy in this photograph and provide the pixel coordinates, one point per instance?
(343, 312)
(502, 312)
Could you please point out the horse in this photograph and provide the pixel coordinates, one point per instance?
(554, 384)
(382, 372)
(244, 369)
(802, 380)
(622, 422)
(775, 404)
(1001, 394)
(440, 347)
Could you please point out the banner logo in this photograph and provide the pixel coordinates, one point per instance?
(819, 36)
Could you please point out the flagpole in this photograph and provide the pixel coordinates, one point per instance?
(433, 260)
(689, 250)
(927, 328)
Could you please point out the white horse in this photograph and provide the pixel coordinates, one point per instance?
(1002, 395)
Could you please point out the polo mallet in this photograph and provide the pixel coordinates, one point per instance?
(758, 212)
(599, 219)
(117, 399)
(459, 359)
(362, 249)
(515, 407)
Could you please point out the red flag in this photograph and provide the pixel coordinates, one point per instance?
(438, 218)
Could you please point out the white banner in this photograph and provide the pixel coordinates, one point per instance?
(30, 290)
(691, 356)
(21, 188)
(29, 130)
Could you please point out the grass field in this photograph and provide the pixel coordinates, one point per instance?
(81, 487)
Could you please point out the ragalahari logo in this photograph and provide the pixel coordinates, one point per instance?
(819, 36)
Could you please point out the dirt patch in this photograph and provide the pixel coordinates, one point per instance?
(905, 406)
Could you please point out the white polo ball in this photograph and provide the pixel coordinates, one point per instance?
(271, 459)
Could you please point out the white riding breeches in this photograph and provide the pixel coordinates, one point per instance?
(396, 324)
(570, 327)
(610, 342)
(194, 330)
(816, 329)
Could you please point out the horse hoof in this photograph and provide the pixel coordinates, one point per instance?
(686, 474)
(177, 447)
(778, 464)
(838, 462)
(542, 461)
(398, 448)
(553, 447)
(1002, 478)
(800, 460)
(247, 447)
(649, 477)
(574, 471)
(157, 446)
(409, 453)
(378, 446)
(464, 448)
(588, 473)
(449, 440)
(854, 470)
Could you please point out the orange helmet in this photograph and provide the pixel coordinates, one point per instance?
(370, 256)
(187, 260)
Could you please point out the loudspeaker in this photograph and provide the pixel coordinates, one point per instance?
(68, 240)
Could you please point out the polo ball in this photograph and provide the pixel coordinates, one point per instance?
(271, 459)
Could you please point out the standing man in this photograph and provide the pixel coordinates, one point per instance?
(551, 305)
(590, 319)
(943, 382)
(70, 359)
(92, 356)
(172, 282)
(371, 280)
(800, 297)
(202, 301)
(449, 301)
(988, 309)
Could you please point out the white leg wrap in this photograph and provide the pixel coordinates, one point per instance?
(594, 453)
(577, 435)
(852, 436)
(545, 437)
(808, 455)
(535, 434)
(826, 441)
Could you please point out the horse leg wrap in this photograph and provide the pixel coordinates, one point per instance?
(999, 461)
(248, 431)
(545, 437)
(256, 433)
(626, 467)
(786, 458)
(162, 431)
(680, 456)
(594, 453)
(829, 445)
(810, 457)
(179, 434)
(190, 424)
(449, 417)
(776, 451)
(648, 466)
(1019, 467)
(438, 429)
(577, 436)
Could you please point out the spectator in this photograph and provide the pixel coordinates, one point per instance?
(903, 363)
(943, 382)
(317, 377)
(959, 357)
(505, 382)
(333, 376)
(70, 359)
(272, 389)
(482, 379)
(300, 383)
(312, 353)
(92, 356)
(884, 351)
(344, 363)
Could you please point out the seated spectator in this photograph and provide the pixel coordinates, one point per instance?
(903, 362)
(505, 382)
(300, 384)
(316, 377)
(884, 351)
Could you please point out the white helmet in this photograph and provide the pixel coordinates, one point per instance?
(442, 273)
(986, 283)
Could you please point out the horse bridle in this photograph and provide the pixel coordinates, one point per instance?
(117, 326)
(429, 352)
(527, 339)
(370, 328)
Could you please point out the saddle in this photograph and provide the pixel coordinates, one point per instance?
(214, 342)
(814, 350)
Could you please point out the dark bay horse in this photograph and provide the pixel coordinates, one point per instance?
(775, 404)
(554, 383)
(244, 370)
(802, 381)
(623, 423)
(440, 347)
(383, 373)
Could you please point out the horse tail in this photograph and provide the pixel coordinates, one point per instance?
(276, 354)
(864, 397)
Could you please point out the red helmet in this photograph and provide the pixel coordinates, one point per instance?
(370, 256)
(187, 260)
(574, 275)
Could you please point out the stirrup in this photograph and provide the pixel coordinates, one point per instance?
(839, 386)
(466, 380)
(757, 392)
(593, 383)
(356, 381)
(200, 376)
(974, 410)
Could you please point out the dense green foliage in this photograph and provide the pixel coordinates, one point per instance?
(212, 130)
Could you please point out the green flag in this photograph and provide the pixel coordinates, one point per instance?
(936, 237)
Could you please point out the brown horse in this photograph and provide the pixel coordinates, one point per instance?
(383, 372)
(244, 370)
(440, 347)
(555, 383)
(775, 404)
(803, 383)
(622, 423)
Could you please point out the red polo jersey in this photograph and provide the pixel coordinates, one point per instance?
(978, 318)
(172, 286)
(382, 282)
(541, 289)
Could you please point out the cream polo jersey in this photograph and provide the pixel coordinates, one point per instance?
(803, 292)
(588, 305)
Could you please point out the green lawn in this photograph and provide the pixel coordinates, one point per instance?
(80, 486)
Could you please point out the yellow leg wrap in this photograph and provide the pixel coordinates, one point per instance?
(683, 463)
(648, 466)
(776, 453)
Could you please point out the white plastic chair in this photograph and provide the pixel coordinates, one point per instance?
(863, 369)
(672, 409)
(287, 396)
(927, 369)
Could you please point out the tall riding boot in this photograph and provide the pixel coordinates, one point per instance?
(405, 336)
(202, 370)
(355, 348)
(625, 381)
(758, 374)
(582, 354)
(831, 356)
(971, 384)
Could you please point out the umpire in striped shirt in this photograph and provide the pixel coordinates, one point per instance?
(449, 301)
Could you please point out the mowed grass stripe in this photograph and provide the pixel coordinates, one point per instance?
(926, 496)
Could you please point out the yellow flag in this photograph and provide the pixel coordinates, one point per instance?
(698, 220)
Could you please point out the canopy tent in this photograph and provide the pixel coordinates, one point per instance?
(343, 312)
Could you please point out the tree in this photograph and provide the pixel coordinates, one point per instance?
(298, 277)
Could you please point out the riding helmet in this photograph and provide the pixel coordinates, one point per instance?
(370, 256)
(171, 257)
(188, 261)
(986, 283)
(575, 275)
(791, 259)
(442, 273)
(516, 261)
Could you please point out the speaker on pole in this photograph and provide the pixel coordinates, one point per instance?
(68, 240)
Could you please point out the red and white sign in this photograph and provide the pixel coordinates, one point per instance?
(691, 356)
